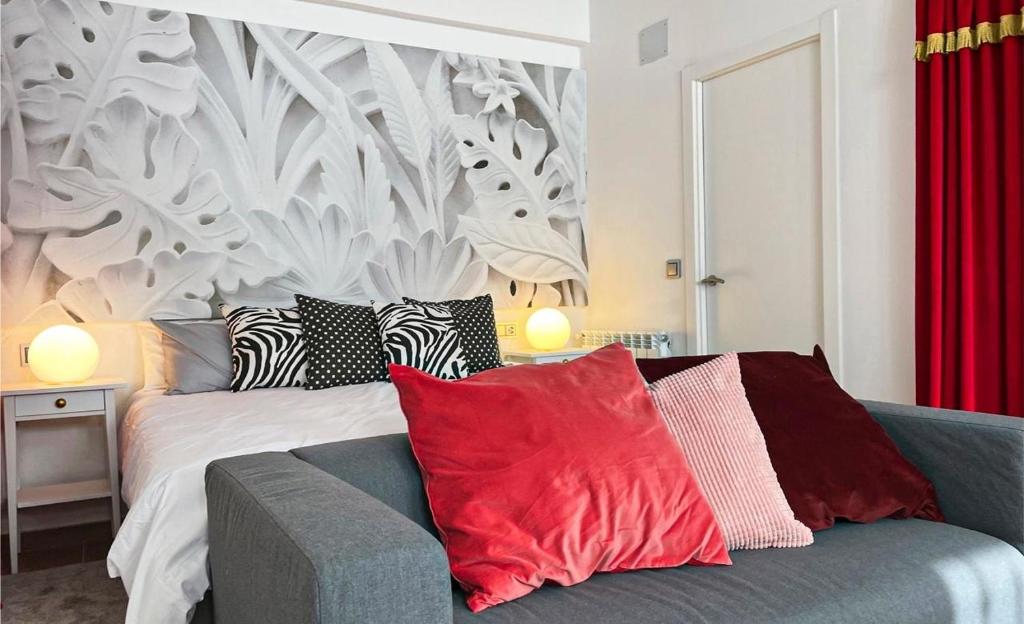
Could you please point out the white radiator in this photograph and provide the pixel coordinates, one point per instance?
(643, 344)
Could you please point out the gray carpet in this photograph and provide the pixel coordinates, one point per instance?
(75, 594)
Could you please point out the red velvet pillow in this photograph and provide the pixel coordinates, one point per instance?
(552, 472)
(832, 459)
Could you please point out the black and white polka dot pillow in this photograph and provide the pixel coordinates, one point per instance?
(342, 343)
(474, 319)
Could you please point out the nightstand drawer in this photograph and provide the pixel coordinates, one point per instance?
(546, 357)
(58, 403)
(549, 359)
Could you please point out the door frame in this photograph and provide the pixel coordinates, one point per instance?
(824, 31)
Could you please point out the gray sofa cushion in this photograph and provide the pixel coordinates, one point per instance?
(383, 467)
(976, 462)
(905, 571)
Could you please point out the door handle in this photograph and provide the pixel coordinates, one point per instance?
(712, 280)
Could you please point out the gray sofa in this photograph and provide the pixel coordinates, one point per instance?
(341, 534)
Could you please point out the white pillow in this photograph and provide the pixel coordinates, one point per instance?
(152, 356)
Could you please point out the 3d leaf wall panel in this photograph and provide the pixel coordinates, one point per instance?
(162, 162)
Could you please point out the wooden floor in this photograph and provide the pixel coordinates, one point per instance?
(57, 547)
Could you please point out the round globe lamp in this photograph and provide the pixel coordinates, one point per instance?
(63, 354)
(547, 329)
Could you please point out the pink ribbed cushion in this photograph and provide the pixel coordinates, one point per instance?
(707, 411)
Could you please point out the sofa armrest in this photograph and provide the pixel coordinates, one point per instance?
(291, 544)
(975, 461)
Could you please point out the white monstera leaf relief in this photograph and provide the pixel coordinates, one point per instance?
(324, 253)
(145, 193)
(94, 52)
(429, 270)
(443, 169)
(572, 116)
(358, 183)
(512, 293)
(157, 162)
(401, 103)
(526, 251)
(409, 125)
(512, 174)
(27, 64)
(326, 246)
(171, 287)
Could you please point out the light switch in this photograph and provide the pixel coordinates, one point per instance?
(674, 268)
(507, 330)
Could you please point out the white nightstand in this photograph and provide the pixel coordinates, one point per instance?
(566, 354)
(35, 401)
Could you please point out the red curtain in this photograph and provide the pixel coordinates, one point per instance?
(970, 205)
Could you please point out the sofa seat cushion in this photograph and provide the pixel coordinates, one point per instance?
(906, 571)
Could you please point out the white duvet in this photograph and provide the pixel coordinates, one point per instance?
(166, 443)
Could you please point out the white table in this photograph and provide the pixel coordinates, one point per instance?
(530, 356)
(28, 402)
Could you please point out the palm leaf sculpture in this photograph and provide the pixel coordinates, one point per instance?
(162, 162)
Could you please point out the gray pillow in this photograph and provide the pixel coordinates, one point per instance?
(197, 355)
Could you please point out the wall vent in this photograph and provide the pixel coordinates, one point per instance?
(653, 42)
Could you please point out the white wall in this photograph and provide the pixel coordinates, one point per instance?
(635, 167)
(564, 20)
(534, 31)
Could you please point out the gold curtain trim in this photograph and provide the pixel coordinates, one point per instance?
(1011, 25)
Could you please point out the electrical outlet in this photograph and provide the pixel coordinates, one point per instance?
(507, 330)
(23, 354)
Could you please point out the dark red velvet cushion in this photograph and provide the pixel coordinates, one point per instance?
(832, 459)
(552, 472)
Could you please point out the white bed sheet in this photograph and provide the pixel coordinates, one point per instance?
(166, 442)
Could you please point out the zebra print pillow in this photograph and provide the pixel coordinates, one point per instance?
(423, 337)
(474, 320)
(267, 347)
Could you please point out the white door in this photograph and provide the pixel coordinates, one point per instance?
(762, 204)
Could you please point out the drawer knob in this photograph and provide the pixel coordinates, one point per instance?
(61, 403)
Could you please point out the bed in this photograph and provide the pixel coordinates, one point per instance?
(166, 442)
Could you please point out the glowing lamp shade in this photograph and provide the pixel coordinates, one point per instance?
(63, 354)
(547, 329)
